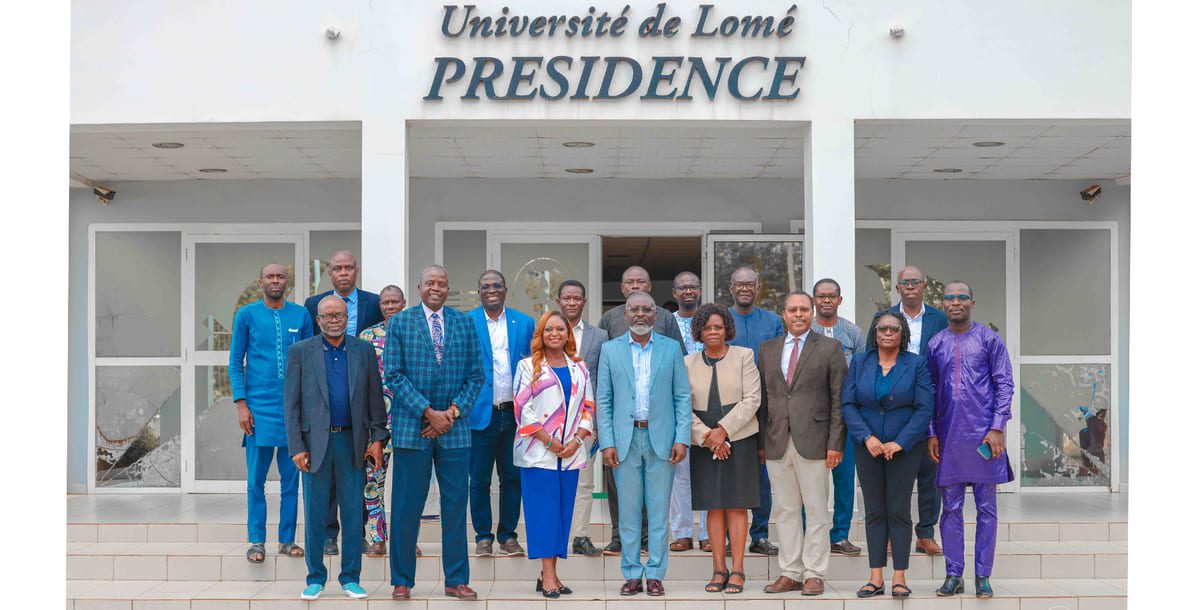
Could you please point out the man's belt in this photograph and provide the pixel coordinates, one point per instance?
(339, 428)
(503, 406)
(641, 423)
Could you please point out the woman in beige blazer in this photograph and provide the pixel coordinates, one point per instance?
(724, 461)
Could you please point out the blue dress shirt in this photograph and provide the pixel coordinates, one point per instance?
(351, 312)
(641, 371)
(337, 379)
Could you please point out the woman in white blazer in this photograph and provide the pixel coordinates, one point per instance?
(555, 413)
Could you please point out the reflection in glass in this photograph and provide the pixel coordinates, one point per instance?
(1064, 425)
(227, 279)
(534, 272)
(137, 426)
(1074, 266)
(464, 255)
(135, 317)
(982, 264)
(321, 246)
(780, 267)
(219, 453)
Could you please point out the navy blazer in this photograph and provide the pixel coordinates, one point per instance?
(368, 310)
(520, 333)
(935, 322)
(903, 415)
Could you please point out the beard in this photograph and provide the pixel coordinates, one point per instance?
(641, 330)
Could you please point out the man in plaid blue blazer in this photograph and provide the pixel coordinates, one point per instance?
(432, 365)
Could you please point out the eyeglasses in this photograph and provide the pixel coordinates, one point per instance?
(638, 310)
(950, 298)
(496, 286)
(332, 317)
(907, 283)
(825, 297)
(687, 287)
(884, 330)
(745, 285)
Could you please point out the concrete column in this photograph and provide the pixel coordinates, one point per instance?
(385, 206)
(829, 206)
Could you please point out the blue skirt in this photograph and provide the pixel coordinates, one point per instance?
(549, 500)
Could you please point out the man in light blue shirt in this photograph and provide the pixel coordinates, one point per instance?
(686, 291)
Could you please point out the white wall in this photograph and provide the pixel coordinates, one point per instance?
(199, 201)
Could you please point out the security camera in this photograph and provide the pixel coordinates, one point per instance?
(104, 194)
(1090, 194)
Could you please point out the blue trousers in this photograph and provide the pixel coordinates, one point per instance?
(494, 446)
(258, 463)
(549, 498)
(644, 479)
(761, 516)
(337, 478)
(929, 498)
(411, 469)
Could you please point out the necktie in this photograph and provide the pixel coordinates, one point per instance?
(793, 361)
(438, 339)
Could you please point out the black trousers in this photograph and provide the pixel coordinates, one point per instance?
(610, 490)
(929, 499)
(887, 499)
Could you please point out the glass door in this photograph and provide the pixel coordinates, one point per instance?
(778, 259)
(987, 262)
(535, 265)
(221, 273)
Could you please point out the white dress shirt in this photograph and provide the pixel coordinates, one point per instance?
(914, 328)
(789, 344)
(502, 379)
(577, 330)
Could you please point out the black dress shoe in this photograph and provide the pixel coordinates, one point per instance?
(563, 589)
(330, 547)
(763, 546)
(983, 588)
(952, 586)
(845, 547)
(613, 548)
(583, 546)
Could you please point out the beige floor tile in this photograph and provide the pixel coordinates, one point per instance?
(172, 532)
(134, 567)
(232, 590)
(121, 532)
(1019, 532)
(102, 604)
(161, 604)
(89, 567)
(82, 532)
(75, 588)
(194, 568)
(176, 589)
(119, 589)
(220, 604)
(1083, 532)
(1103, 603)
(1086, 587)
(1049, 603)
(1068, 566)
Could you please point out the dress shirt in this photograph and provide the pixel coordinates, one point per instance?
(501, 369)
(847, 333)
(428, 320)
(577, 330)
(337, 380)
(641, 371)
(914, 328)
(685, 328)
(788, 345)
(351, 312)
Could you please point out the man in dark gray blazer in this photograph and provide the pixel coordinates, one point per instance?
(334, 415)
(572, 302)
(637, 279)
(803, 438)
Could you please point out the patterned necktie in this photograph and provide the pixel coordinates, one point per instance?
(793, 361)
(438, 339)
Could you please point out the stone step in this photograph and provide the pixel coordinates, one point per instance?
(1011, 594)
(216, 561)
(208, 531)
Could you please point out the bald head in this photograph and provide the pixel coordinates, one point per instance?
(743, 285)
(434, 286)
(635, 279)
(331, 318)
(686, 290)
(910, 283)
(640, 313)
(343, 272)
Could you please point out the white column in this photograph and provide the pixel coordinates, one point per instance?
(385, 206)
(829, 206)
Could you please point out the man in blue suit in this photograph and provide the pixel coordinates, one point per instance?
(644, 403)
(504, 336)
(362, 311)
(924, 321)
(335, 420)
(431, 363)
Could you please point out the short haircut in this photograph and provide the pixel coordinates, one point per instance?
(394, 287)
(708, 310)
(905, 333)
(262, 271)
(683, 273)
(798, 293)
(576, 283)
(492, 272)
(970, 292)
(828, 280)
(743, 268)
(639, 293)
(426, 271)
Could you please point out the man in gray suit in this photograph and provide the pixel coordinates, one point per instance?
(803, 438)
(572, 302)
(637, 279)
(334, 415)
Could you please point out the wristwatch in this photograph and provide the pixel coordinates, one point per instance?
(455, 411)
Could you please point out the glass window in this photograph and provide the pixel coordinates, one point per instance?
(780, 267)
(1065, 299)
(872, 274)
(979, 263)
(534, 272)
(227, 279)
(464, 255)
(219, 453)
(1064, 425)
(137, 426)
(135, 317)
(321, 246)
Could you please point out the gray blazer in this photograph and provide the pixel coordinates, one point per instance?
(306, 399)
(613, 322)
(808, 412)
(593, 338)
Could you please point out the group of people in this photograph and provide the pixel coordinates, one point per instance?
(721, 410)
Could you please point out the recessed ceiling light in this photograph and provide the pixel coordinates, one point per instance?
(947, 170)
(168, 145)
(579, 144)
(212, 170)
(579, 170)
(988, 143)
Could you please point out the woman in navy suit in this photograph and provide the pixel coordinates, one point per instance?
(887, 403)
